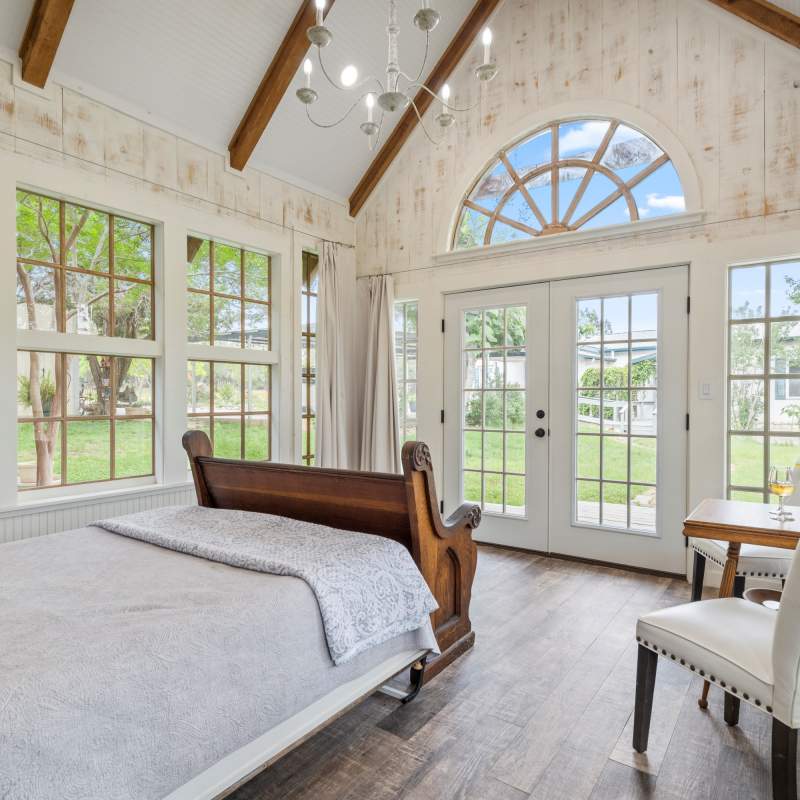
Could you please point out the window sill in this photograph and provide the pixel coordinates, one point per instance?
(89, 494)
(570, 238)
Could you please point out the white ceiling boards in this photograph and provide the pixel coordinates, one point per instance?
(192, 66)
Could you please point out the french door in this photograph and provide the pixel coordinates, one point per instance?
(496, 411)
(565, 415)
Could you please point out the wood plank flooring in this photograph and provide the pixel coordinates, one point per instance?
(541, 708)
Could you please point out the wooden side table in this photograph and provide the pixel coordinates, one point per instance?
(738, 523)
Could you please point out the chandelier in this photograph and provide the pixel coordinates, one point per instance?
(396, 92)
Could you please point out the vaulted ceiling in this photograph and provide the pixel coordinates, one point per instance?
(192, 66)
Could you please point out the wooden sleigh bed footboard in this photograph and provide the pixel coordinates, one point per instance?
(401, 507)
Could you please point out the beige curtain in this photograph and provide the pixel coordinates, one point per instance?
(380, 439)
(337, 385)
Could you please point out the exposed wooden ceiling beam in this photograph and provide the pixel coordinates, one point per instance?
(42, 38)
(462, 41)
(767, 16)
(273, 85)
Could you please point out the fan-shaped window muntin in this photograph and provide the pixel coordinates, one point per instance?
(566, 176)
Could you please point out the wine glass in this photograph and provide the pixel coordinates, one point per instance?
(781, 484)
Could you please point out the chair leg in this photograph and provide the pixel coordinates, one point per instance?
(784, 761)
(698, 573)
(731, 709)
(738, 586)
(645, 684)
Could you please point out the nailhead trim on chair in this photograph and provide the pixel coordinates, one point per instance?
(733, 690)
(739, 572)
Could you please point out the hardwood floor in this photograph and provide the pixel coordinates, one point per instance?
(540, 708)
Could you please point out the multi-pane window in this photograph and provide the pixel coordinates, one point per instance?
(763, 375)
(232, 403)
(229, 302)
(616, 411)
(308, 338)
(83, 417)
(571, 175)
(494, 359)
(82, 271)
(405, 359)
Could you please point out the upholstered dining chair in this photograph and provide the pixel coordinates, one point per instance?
(748, 650)
(755, 561)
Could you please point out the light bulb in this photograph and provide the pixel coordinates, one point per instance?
(307, 67)
(445, 92)
(349, 75)
(487, 44)
(370, 101)
(320, 4)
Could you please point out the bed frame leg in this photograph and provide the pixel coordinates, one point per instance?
(417, 675)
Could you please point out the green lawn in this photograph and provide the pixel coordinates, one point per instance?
(89, 450)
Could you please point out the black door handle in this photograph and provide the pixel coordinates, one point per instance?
(540, 432)
(540, 413)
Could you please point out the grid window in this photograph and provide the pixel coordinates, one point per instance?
(83, 418)
(308, 335)
(82, 271)
(405, 359)
(229, 303)
(494, 362)
(763, 368)
(232, 403)
(616, 412)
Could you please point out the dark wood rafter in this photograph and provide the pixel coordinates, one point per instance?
(273, 86)
(456, 50)
(42, 37)
(767, 16)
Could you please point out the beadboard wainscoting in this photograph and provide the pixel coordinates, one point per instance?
(25, 522)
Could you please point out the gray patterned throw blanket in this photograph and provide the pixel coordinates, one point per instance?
(368, 587)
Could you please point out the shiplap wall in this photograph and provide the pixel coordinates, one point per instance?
(61, 125)
(729, 92)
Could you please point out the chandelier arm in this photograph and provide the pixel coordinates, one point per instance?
(422, 125)
(338, 121)
(416, 80)
(437, 97)
(373, 145)
(341, 88)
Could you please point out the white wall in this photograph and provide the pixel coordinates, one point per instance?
(66, 145)
(717, 93)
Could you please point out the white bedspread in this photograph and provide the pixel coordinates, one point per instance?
(368, 588)
(127, 669)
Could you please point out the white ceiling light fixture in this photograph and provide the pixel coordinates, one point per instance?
(396, 93)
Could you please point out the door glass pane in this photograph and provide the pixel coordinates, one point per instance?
(493, 364)
(616, 411)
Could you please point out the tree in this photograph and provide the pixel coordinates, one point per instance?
(85, 247)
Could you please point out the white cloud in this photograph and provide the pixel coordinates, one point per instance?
(587, 137)
(674, 202)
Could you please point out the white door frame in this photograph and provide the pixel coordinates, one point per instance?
(531, 530)
(664, 550)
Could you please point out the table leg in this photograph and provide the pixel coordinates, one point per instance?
(725, 590)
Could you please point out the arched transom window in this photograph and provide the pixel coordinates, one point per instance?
(585, 173)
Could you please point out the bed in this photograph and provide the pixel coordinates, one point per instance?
(208, 672)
